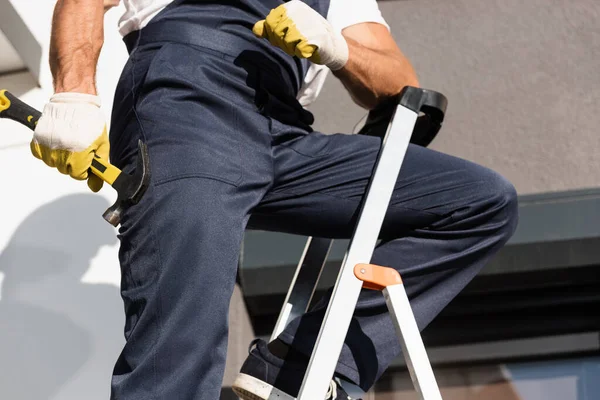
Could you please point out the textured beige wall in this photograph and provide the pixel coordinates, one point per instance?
(522, 78)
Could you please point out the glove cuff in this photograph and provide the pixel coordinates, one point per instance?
(76, 98)
(340, 54)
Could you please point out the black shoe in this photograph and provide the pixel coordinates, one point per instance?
(266, 377)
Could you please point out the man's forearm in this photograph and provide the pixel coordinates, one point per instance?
(372, 76)
(77, 38)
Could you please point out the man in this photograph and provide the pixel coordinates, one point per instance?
(216, 89)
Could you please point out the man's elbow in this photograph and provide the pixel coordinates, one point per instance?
(375, 99)
(412, 80)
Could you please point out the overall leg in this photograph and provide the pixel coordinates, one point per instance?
(447, 217)
(180, 244)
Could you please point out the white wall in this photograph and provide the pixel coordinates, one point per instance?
(61, 315)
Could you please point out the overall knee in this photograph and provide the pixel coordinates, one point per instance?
(501, 197)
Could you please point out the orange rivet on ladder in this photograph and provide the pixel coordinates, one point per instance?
(376, 277)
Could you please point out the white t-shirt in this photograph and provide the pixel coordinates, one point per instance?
(341, 14)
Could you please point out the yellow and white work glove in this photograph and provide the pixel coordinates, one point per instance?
(301, 31)
(70, 132)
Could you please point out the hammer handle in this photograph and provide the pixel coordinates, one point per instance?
(13, 108)
(105, 170)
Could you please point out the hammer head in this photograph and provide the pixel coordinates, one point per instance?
(130, 188)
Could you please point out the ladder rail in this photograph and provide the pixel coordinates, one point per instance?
(347, 289)
(418, 112)
(304, 283)
(411, 341)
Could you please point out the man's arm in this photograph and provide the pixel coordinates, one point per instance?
(364, 56)
(376, 69)
(72, 128)
(77, 38)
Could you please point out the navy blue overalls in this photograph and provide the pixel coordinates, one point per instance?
(230, 149)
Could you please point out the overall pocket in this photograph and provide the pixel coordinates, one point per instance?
(189, 126)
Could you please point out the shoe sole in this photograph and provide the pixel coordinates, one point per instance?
(247, 387)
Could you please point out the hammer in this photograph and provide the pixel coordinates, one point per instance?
(130, 188)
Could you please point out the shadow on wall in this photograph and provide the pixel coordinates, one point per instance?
(57, 334)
